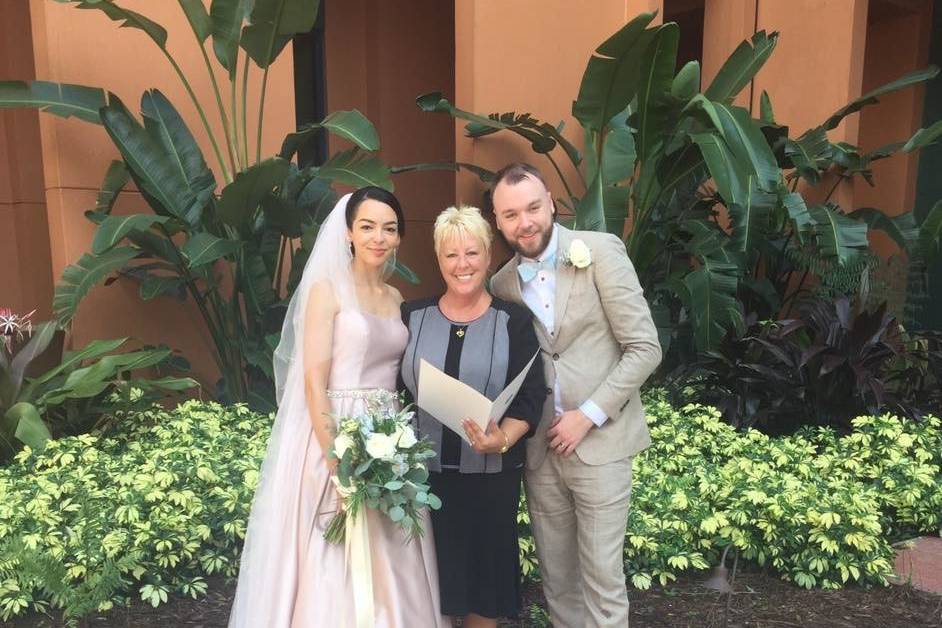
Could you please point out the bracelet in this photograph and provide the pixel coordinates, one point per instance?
(506, 446)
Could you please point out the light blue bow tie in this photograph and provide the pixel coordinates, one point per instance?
(528, 268)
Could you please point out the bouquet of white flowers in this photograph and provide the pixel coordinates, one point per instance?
(381, 467)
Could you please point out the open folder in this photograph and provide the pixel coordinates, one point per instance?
(451, 401)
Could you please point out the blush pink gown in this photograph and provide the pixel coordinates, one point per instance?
(366, 353)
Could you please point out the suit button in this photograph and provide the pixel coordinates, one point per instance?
(555, 356)
(549, 391)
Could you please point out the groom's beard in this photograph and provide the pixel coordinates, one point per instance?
(541, 243)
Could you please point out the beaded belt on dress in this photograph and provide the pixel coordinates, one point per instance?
(376, 395)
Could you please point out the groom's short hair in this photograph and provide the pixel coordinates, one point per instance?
(514, 173)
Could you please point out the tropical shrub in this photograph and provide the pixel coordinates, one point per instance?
(89, 522)
(82, 392)
(819, 508)
(675, 163)
(153, 508)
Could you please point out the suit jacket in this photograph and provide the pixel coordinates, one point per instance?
(604, 346)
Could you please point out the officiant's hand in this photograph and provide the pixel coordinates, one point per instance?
(489, 442)
(568, 431)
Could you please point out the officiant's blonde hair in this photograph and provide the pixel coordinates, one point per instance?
(459, 221)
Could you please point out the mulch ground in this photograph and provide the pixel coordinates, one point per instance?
(760, 600)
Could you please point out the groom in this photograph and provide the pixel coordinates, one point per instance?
(599, 345)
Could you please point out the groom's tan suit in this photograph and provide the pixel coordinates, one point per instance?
(602, 347)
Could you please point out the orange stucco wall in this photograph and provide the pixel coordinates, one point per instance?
(84, 47)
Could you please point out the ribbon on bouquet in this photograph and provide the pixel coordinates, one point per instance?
(357, 550)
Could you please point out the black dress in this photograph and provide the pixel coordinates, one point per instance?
(476, 528)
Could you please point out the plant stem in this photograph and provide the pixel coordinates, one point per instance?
(202, 114)
(560, 173)
(261, 99)
(245, 128)
(235, 110)
(222, 110)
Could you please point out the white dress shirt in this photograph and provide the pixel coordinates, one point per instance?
(540, 296)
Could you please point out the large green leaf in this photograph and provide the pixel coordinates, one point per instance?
(657, 75)
(729, 174)
(226, 17)
(128, 19)
(60, 99)
(272, 25)
(871, 97)
(613, 74)
(806, 152)
(256, 284)
(241, 199)
(407, 273)
(115, 228)
(79, 278)
(116, 177)
(618, 155)
(837, 235)
(794, 204)
(37, 343)
(71, 360)
(168, 129)
(902, 228)
(356, 169)
(198, 18)
(435, 102)
(204, 248)
(741, 67)
(154, 286)
(157, 173)
(745, 140)
(30, 429)
(350, 125)
(766, 114)
(924, 137)
(930, 232)
(750, 221)
(712, 301)
(687, 81)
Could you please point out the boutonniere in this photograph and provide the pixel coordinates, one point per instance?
(579, 254)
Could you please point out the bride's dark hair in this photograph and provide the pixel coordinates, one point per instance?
(375, 193)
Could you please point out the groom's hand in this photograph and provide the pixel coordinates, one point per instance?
(568, 431)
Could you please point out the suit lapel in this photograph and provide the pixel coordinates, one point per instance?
(565, 273)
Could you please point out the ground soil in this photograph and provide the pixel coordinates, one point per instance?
(760, 600)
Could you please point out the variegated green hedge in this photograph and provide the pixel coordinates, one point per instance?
(162, 502)
(152, 508)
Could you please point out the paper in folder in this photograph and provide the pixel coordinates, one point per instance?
(451, 401)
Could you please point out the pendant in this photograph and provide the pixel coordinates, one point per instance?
(460, 333)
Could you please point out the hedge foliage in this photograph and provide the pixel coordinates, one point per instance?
(162, 502)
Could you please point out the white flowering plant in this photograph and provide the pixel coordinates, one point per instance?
(381, 466)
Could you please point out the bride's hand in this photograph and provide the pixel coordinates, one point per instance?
(489, 442)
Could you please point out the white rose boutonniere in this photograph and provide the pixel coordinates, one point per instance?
(580, 256)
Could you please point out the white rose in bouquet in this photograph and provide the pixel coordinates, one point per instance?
(342, 443)
(381, 446)
(405, 436)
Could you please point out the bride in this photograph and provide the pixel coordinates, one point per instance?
(342, 342)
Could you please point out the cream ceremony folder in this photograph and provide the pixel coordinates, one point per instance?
(451, 401)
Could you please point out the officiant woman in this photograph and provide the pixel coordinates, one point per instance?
(484, 342)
